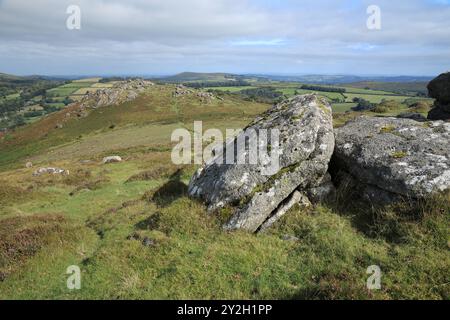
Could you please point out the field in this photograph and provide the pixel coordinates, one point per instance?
(341, 102)
(135, 235)
(76, 89)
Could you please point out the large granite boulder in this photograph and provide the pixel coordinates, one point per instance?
(439, 88)
(306, 143)
(394, 158)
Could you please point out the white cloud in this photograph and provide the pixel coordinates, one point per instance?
(164, 36)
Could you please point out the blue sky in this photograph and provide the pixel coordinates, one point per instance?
(239, 36)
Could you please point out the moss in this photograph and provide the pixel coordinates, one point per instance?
(387, 129)
(399, 155)
(324, 108)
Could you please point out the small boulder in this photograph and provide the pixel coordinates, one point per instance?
(29, 164)
(112, 159)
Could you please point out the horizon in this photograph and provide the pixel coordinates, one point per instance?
(162, 75)
(158, 38)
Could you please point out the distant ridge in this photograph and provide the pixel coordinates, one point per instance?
(342, 79)
(313, 79)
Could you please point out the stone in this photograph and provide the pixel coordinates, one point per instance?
(51, 170)
(29, 164)
(112, 159)
(401, 157)
(147, 242)
(306, 145)
(290, 238)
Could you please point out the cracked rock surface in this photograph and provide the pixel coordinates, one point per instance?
(306, 143)
(400, 157)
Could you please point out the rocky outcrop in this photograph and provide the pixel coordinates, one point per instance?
(390, 158)
(439, 88)
(306, 140)
(121, 92)
(181, 90)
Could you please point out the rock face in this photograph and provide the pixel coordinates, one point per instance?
(306, 141)
(439, 88)
(393, 158)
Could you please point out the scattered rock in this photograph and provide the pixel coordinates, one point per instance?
(29, 164)
(147, 242)
(306, 146)
(205, 96)
(439, 88)
(112, 159)
(392, 157)
(181, 90)
(50, 170)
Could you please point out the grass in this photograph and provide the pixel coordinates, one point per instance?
(135, 234)
(343, 107)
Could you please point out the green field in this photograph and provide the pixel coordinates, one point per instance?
(346, 99)
(343, 107)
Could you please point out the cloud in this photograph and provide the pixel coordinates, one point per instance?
(165, 36)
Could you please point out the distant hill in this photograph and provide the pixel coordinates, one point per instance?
(344, 79)
(310, 79)
(194, 76)
(186, 77)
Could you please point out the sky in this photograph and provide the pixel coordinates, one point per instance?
(162, 37)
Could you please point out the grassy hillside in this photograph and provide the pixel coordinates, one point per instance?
(134, 234)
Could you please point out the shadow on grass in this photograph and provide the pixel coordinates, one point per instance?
(170, 191)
